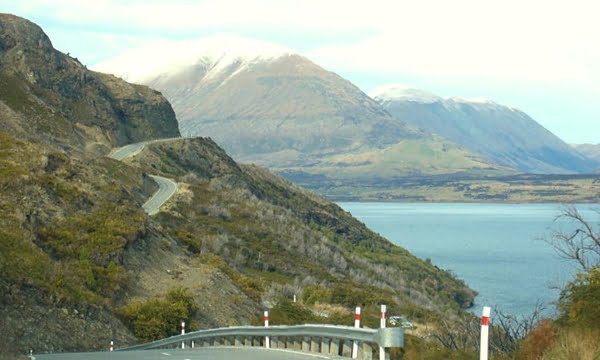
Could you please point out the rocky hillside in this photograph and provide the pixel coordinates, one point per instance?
(497, 133)
(49, 96)
(271, 106)
(82, 264)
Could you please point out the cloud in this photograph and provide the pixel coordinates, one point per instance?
(186, 16)
(539, 41)
(504, 41)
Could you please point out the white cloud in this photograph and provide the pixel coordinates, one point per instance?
(509, 40)
(190, 15)
(541, 41)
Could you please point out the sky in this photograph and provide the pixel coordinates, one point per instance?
(539, 56)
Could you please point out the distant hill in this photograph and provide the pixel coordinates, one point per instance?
(499, 134)
(271, 106)
(590, 150)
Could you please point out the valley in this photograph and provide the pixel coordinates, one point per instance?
(517, 188)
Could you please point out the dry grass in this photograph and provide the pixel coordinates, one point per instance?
(575, 344)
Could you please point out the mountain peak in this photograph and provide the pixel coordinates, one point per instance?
(402, 92)
(216, 53)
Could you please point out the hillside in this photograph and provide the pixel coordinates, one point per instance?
(82, 264)
(47, 96)
(271, 106)
(497, 133)
(590, 150)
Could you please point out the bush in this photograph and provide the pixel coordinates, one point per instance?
(159, 318)
(315, 295)
(538, 341)
(287, 312)
(579, 302)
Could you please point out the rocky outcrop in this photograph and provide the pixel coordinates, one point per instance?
(47, 92)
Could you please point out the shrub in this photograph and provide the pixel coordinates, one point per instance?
(159, 318)
(538, 341)
(579, 302)
(315, 294)
(287, 312)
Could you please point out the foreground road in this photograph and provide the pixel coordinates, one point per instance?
(217, 353)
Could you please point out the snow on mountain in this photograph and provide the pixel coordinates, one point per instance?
(497, 133)
(216, 53)
(401, 92)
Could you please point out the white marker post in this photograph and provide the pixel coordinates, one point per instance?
(382, 325)
(267, 340)
(485, 330)
(112, 345)
(356, 325)
(183, 333)
(294, 297)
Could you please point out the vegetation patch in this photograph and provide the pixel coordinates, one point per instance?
(159, 318)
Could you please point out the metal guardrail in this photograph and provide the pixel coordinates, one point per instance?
(385, 338)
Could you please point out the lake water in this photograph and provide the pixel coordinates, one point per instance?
(495, 248)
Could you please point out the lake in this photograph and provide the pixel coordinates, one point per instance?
(496, 248)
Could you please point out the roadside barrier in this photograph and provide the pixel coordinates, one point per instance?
(325, 339)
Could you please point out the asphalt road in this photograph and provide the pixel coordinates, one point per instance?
(128, 150)
(217, 353)
(166, 187)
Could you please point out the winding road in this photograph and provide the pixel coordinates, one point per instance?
(166, 187)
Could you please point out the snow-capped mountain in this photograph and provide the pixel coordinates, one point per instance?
(269, 105)
(498, 133)
(215, 54)
(261, 101)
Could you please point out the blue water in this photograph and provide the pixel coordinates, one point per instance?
(495, 248)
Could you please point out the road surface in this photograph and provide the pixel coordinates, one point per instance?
(216, 353)
(128, 150)
(166, 187)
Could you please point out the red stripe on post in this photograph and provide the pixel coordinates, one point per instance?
(382, 315)
(356, 316)
(266, 318)
(485, 321)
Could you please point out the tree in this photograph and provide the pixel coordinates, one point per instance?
(580, 241)
(579, 302)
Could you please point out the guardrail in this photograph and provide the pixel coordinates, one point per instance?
(324, 339)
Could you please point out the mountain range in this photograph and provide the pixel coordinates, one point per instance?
(498, 133)
(269, 105)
